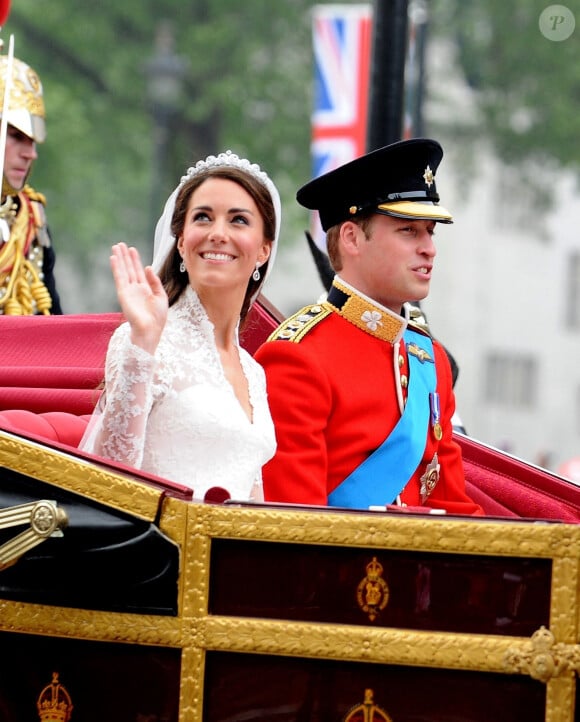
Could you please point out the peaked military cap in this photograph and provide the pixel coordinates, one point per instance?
(396, 180)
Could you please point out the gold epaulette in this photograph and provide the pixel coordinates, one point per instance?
(34, 195)
(417, 321)
(297, 326)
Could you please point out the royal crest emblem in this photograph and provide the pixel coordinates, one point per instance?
(373, 592)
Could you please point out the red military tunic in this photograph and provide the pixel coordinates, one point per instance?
(336, 388)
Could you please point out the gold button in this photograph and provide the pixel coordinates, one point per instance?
(404, 381)
(401, 361)
(352, 210)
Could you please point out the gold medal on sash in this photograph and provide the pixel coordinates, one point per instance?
(435, 415)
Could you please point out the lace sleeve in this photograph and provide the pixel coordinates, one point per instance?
(117, 429)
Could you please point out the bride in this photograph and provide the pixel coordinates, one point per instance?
(182, 399)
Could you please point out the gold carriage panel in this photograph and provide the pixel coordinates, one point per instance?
(252, 688)
(250, 612)
(56, 680)
(383, 587)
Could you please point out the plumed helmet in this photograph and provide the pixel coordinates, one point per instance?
(25, 102)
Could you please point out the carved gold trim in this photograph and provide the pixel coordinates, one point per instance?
(565, 588)
(91, 625)
(173, 519)
(357, 644)
(560, 699)
(391, 531)
(79, 476)
(191, 692)
(542, 658)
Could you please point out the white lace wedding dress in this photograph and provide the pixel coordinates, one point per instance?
(176, 415)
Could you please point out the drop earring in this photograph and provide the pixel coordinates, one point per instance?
(256, 274)
(182, 266)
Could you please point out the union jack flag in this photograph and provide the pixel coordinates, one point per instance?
(342, 53)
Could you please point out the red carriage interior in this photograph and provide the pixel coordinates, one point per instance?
(51, 369)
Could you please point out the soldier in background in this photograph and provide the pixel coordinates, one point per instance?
(27, 284)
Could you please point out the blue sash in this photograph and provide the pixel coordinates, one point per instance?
(384, 474)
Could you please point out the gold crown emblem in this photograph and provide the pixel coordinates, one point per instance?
(54, 703)
(374, 569)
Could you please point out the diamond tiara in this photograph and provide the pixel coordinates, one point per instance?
(230, 160)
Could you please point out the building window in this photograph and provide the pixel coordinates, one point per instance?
(573, 292)
(511, 380)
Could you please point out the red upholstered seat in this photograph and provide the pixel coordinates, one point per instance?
(60, 426)
(53, 363)
(51, 368)
(507, 486)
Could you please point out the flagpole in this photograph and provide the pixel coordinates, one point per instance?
(387, 81)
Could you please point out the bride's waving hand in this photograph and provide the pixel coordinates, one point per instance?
(141, 295)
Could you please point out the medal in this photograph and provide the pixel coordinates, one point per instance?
(435, 415)
(430, 478)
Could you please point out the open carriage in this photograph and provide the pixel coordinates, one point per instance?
(123, 598)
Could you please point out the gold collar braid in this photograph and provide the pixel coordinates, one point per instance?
(22, 292)
(364, 313)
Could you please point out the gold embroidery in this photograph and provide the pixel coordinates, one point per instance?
(372, 318)
(419, 352)
(297, 326)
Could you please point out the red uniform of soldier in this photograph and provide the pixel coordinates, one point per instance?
(361, 396)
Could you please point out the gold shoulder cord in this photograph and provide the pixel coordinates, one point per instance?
(21, 288)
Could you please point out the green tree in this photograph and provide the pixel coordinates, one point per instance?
(246, 86)
(526, 86)
(248, 71)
